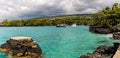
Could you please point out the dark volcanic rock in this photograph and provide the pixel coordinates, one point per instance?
(116, 29)
(116, 35)
(19, 47)
(102, 52)
(101, 30)
(104, 30)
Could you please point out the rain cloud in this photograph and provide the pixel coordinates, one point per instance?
(24, 9)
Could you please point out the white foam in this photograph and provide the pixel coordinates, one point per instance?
(109, 35)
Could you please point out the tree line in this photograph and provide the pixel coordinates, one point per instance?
(69, 20)
(108, 17)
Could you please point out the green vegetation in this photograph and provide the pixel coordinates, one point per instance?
(106, 17)
(69, 20)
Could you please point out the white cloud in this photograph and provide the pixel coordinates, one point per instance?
(20, 9)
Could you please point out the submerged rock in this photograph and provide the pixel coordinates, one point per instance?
(103, 52)
(20, 47)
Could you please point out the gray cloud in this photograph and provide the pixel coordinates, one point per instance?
(22, 9)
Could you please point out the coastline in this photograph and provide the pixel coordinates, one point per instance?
(101, 51)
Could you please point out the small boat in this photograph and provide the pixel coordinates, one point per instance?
(61, 25)
(73, 25)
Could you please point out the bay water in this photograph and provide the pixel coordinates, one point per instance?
(68, 42)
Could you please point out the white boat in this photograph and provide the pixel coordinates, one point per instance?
(73, 25)
(61, 25)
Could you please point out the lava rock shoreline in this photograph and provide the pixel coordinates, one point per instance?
(103, 30)
(21, 47)
(103, 52)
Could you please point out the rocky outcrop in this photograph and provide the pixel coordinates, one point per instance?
(116, 35)
(103, 52)
(116, 29)
(101, 30)
(20, 47)
(104, 30)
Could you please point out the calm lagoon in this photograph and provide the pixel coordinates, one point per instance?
(68, 42)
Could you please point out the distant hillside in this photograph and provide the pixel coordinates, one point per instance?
(63, 16)
(79, 19)
(74, 15)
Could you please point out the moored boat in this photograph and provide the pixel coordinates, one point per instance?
(61, 25)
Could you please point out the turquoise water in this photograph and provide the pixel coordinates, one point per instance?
(69, 42)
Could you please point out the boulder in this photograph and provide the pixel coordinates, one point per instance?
(20, 47)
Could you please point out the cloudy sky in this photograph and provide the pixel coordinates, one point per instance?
(24, 9)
